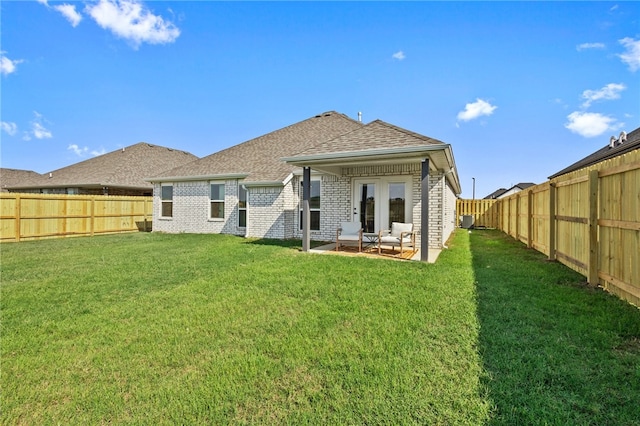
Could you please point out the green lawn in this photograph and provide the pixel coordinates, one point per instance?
(212, 329)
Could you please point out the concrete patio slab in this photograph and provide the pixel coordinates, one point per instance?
(372, 253)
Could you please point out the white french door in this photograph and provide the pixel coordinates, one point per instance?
(366, 205)
(379, 201)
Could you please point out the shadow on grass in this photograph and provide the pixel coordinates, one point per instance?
(291, 243)
(555, 351)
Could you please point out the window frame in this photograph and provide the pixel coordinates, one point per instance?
(217, 200)
(312, 210)
(242, 189)
(164, 201)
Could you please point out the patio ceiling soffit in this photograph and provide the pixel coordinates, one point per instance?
(440, 156)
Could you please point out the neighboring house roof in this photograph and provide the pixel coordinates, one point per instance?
(615, 147)
(375, 143)
(504, 192)
(258, 160)
(495, 194)
(12, 177)
(124, 168)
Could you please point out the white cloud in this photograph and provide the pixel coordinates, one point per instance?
(130, 20)
(585, 46)
(399, 55)
(608, 92)
(591, 124)
(8, 66)
(83, 151)
(69, 12)
(10, 128)
(631, 56)
(38, 130)
(80, 152)
(476, 109)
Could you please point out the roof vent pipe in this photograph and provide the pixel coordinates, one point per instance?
(359, 116)
(612, 142)
(623, 137)
(50, 175)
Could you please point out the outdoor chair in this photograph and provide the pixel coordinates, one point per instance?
(401, 234)
(349, 232)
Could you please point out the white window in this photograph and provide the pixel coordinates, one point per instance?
(166, 208)
(242, 206)
(314, 205)
(217, 200)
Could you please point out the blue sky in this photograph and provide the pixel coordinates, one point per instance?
(519, 89)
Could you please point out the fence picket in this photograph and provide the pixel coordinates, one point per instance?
(37, 216)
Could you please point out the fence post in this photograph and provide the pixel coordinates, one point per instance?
(518, 208)
(17, 211)
(530, 219)
(552, 221)
(592, 278)
(92, 214)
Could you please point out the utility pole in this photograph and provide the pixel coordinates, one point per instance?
(474, 188)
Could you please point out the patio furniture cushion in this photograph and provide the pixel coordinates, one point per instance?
(349, 231)
(401, 234)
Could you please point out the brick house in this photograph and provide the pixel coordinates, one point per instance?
(375, 173)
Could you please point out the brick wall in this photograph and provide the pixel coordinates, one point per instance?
(191, 206)
(266, 212)
(450, 214)
(273, 212)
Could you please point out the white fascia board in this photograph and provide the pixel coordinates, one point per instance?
(197, 178)
(263, 183)
(412, 151)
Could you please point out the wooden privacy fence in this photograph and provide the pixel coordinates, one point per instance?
(588, 220)
(37, 216)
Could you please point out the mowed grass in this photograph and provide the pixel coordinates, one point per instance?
(212, 329)
(554, 350)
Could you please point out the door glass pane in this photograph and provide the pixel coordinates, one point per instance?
(314, 200)
(397, 203)
(368, 207)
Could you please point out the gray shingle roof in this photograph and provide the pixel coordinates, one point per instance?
(12, 177)
(632, 143)
(126, 168)
(260, 159)
(373, 136)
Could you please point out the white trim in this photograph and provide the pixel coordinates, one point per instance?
(223, 176)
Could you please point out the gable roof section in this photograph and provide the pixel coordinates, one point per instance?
(632, 143)
(12, 177)
(124, 168)
(258, 160)
(376, 143)
(374, 136)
